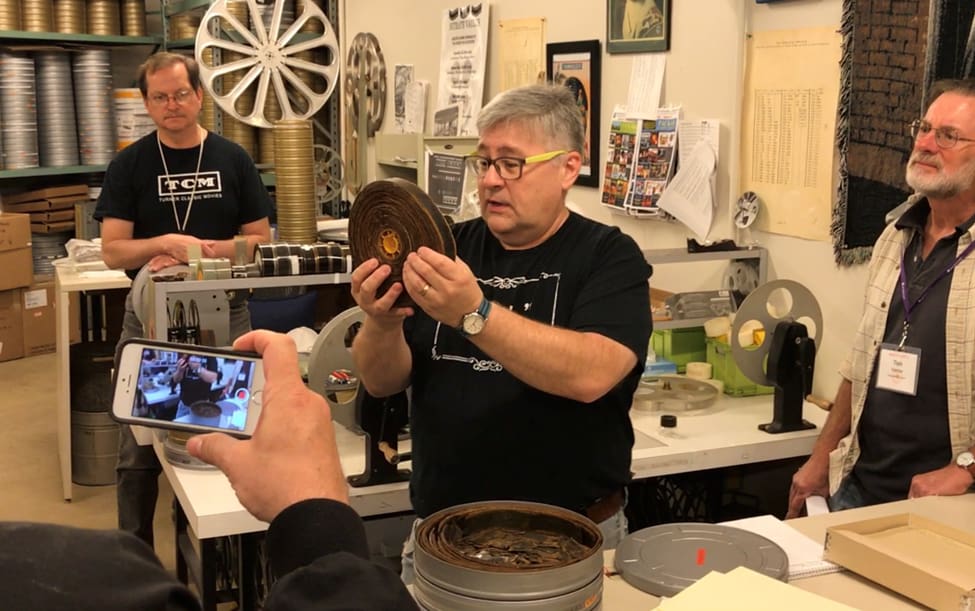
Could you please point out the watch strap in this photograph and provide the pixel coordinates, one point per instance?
(483, 309)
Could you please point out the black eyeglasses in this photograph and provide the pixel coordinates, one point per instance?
(508, 168)
(180, 97)
(944, 137)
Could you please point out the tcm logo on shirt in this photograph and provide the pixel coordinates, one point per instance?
(183, 184)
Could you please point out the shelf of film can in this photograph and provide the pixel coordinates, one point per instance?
(38, 38)
(52, 171)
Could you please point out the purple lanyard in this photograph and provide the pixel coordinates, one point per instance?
(908, 306)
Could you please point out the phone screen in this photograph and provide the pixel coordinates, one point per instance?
(191, 388)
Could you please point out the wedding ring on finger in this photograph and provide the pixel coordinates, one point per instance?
(423, 291)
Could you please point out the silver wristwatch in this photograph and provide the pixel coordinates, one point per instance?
(473, 323)
(966, 460)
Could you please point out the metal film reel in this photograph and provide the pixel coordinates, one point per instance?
(329, 173)
(674, 393)
(365, 82)
(771, 303)
(269, 63)
(331, 352)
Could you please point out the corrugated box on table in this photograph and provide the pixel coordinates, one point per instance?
(15, 251)
(39, 318)
(11, 326)
(923, 559)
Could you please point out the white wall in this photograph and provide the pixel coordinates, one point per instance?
(704, 68)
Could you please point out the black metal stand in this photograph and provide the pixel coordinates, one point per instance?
(791, 359)
(380, 420)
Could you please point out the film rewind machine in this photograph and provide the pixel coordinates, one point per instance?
(791, 319)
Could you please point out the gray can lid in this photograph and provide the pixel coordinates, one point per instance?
(663, 560)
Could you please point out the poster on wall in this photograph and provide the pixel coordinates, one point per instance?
(463, 57)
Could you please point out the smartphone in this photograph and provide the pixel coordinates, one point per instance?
(187, 387)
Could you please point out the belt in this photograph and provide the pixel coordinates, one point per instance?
(604, 508)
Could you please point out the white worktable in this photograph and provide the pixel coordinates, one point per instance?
(729, 436)
(848, 588)
(67, 281)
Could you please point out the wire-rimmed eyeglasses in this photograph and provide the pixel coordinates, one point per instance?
(945, 137)
(180, 97)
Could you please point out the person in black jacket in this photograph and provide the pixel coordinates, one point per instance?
(287, 474)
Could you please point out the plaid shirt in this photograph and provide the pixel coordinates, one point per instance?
(884, 270)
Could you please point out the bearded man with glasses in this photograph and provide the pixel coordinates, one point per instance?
(176, 187)
(902, 425)
(522, 353)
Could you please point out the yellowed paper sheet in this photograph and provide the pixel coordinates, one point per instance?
(742, 589)
(788, 128)
(522, 52)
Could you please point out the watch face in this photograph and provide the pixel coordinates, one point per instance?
(473, 323)
(965, 459)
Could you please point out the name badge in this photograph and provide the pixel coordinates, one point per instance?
(897, 369)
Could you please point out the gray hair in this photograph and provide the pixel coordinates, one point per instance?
(552, 109)
(965, 87)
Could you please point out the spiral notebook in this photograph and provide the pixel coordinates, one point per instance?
(805, 555)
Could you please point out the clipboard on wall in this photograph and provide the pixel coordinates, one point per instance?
(442, 173)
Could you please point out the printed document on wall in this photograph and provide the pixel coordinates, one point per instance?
(788, 128)
(522, 43)
(463, 55)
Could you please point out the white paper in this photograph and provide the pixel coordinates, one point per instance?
(36, 298)
(403, 76)
(692, 132)
(463, 56)
(805, 555)
(646, 82)
(415, 111)
(689, 196)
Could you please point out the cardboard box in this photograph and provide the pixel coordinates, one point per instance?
(920, 558)
(54, 227)
(46, 193)
(39, 318)
(17, 268)
(11, 326)
(50, 216)
(14, 231)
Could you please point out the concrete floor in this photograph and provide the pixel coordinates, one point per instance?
(30, 479)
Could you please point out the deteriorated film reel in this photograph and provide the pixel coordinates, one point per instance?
(764, 308)
(272, 61)
(365, 75)
(329, 173)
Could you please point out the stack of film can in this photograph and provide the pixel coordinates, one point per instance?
(280, 259)
(103, 17)
(18, 107)
(183, 26)
(294, 166)
(313, 26)
(96, 109)
(10, 15)
(57, 135)
(133, 17)
(37, 15)
(69, 16)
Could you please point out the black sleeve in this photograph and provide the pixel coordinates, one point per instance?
(117, 194)
(318, 551)
(48, 566)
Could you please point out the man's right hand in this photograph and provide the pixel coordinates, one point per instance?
(812, 479)
(366, 280)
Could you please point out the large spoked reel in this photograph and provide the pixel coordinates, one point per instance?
(365, 82)
(331, 353)
(329, 173)
(271, 58)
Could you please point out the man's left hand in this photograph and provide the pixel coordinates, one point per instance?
(445, 288)
(946, 481)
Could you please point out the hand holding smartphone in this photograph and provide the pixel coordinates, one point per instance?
(187, 387)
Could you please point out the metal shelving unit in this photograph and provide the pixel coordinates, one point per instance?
(660, 256)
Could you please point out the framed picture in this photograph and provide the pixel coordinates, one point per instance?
(576, 66)
(637, 26)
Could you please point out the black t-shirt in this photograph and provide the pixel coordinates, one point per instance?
(192, 387)
(481, 434)
(229, 192)
(900, 435)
